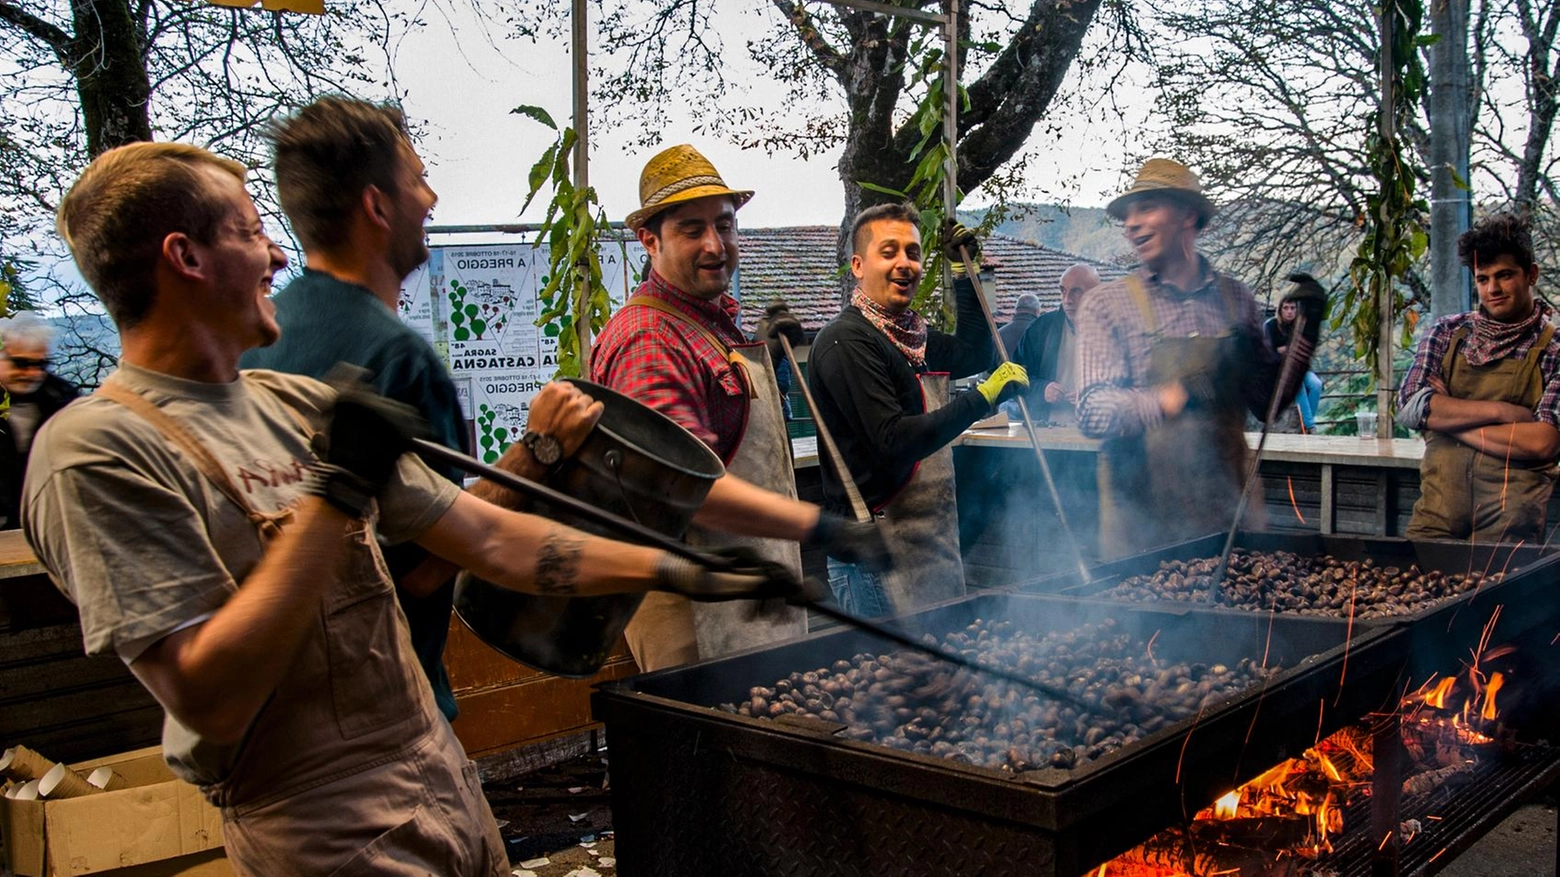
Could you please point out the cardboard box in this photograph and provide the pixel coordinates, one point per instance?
(157, 826)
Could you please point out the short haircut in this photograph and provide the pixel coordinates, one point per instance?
(326, 154)
(125, 204)
(1027, 303)
(26, 328)
(1501, 234)
(883, 212)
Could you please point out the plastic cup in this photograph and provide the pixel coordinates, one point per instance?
(1366, 421)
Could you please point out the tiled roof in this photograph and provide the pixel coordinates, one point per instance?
(797, 264)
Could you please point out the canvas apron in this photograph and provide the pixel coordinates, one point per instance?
(347, 769)
(1465, 493)
(1181, 479)
(920, 523)
(669, 630)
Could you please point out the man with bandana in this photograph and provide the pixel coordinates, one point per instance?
(1484, 390)
(880, 377)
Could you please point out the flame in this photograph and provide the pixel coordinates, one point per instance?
(1496, 681)
(1101, 871)
(1227, 806)
(1329, 768)
(1443, 690)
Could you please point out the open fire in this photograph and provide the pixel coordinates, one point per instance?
(1284, 822)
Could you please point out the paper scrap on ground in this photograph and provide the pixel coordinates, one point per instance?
(536, 863)
(584, 872)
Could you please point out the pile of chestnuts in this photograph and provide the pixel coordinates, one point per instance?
(1301, 585)
(918, 703)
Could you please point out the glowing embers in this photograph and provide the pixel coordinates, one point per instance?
(1287, 821)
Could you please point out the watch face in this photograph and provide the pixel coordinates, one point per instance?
(544, 448)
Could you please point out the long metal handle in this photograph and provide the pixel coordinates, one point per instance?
(441, 454)
(1029, 425)
(1291, 362)
(633, 529)
(858, 506)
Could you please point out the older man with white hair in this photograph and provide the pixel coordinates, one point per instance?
(33, 395)
(1049, 350)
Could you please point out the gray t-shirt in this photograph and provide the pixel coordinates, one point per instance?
(143, 543)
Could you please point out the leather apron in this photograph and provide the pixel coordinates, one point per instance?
(669, 630)
(1467, 494)
(348, 769)
(921, 523)
(1181, 479)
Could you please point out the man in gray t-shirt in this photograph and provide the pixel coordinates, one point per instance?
(218, 531)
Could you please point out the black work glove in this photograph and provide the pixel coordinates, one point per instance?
(367, 436)
(1311, 298)
(956, 237)
(852, 542)
(777, 322)
(745, 576)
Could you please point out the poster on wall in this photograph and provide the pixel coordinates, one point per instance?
(482, 305)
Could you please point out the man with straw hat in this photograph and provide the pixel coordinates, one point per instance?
(1485, 391)
(1172, 356)
(676, 347)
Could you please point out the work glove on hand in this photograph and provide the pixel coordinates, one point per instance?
(746, 577)
(954, 237)
(1007, 381)
(367, 436)
(850, 541)
(778, 321)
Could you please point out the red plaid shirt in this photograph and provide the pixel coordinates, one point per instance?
(661, 361)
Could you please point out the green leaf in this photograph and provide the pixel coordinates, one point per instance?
(536, 113)
(874, 187)
(550, 330)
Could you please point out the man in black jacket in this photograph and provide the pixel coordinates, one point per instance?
(33, 395)
(1049, 351)
(879, 378)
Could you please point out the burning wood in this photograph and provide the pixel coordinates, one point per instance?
(1284, 821)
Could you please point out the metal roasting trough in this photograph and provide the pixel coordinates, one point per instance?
(1528, 595)
(697, 790)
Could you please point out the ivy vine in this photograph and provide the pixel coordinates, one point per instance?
(573, 228)
(1395, 220)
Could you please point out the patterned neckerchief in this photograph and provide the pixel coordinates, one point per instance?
(1491, 340)
(906, 331)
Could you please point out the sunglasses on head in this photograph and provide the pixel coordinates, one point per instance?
(29, 362)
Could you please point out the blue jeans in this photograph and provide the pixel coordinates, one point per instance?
(857, 591)
(1309, 399)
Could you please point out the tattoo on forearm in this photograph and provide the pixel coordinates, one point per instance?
(558, 564)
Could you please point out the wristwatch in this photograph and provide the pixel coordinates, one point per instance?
(544, 448)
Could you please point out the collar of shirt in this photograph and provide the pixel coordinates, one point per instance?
(718, 314)
(1205, 283)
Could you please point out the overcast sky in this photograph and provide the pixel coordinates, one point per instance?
(478, 153)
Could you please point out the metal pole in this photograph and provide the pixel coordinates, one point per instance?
(858, 506)
(950, 28)
(1384, 292)
(581, 59)
(1029, 424)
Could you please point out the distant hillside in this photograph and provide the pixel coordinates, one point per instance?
(1086, 231)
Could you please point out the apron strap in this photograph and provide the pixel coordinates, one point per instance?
(732, 357)
(1139, 295)
(268, 525)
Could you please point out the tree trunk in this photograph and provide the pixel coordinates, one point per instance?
(1451, 111)
(1543, 98)
(1004, 105)
(106, 58)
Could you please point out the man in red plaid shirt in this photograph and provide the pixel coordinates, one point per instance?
(676, 347)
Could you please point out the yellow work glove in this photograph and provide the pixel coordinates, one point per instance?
(1007, 381)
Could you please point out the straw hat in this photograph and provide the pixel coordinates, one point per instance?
(1161, 176)
(676, 175)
